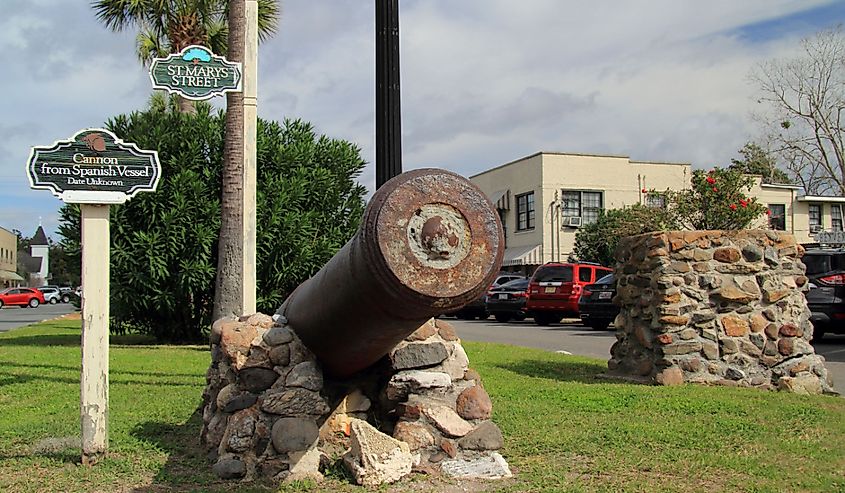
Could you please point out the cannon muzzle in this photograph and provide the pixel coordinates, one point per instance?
(429, 243)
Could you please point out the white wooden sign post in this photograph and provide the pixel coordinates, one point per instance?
(94, 169)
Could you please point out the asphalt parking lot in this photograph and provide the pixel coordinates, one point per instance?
(12, 317)
(572, 337)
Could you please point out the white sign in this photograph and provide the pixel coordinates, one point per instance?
(831, 237)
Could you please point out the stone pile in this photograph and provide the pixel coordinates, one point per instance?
(715, 307)
(270, 411)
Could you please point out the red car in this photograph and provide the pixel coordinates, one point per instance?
(555, 288)
(21, 297)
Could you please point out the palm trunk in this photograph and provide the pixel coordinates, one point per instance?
(229, 284)
(186, 106)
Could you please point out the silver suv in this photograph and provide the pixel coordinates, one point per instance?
(51, 295)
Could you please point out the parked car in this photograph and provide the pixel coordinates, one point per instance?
(595, 307)
(65, 293)
(507, 302)
(555, 288)
(51, 295)
(477, 307)
(826, 297)
(21, 296)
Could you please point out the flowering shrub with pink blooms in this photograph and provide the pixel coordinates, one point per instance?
(718, 199)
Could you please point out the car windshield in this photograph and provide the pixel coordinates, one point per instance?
(562, 273)
(823, 262)
(608, 279)
(516, 284)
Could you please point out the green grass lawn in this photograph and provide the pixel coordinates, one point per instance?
(565, 430)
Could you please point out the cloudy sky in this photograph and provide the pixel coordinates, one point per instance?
(484, 82)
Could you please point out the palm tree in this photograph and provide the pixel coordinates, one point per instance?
(167, 26)
(229, 282)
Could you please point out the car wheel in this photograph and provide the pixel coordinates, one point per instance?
(483, 316)
(65, 299)
(1, 303)
(33, 303)
(53, 301)
(463, 316)
(503, 317)
(519, 317)
(599, 324)
(818, 334)
(544, 318)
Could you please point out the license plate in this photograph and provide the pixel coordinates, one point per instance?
(503, 296)
(605, 295)
(549, 290)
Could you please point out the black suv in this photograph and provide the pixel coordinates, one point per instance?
(826, 297)
(477, 307)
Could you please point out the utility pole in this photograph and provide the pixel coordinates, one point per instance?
(250, 133)
(388, 111)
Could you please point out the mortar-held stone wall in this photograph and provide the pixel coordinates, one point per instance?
(269, 411)
(715, 307)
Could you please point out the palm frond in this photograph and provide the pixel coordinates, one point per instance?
(150, 45)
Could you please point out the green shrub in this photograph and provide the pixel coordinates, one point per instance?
(718, 199)
(164, 244)
(596, 242)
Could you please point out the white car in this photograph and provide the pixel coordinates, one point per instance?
(51, 295)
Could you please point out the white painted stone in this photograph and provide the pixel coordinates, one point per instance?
(305, 465)
(447, 420)
(405, 382)
(355, 402)
(376, 458)
(493, 466)
(457, 362)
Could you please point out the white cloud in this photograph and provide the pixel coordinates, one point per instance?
(483, 81)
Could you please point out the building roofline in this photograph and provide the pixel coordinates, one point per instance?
(820, 198)
(584, 154)
(507, 164)
(39, 238)
(7, 230)
(662, 163)
(778, 185)
(577, 154)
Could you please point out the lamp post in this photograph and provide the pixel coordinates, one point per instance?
(388, 113)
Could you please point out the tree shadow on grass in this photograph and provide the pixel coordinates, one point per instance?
(115, 341)
(188, 467)
(8, 365)
(59, 449)
(564, 371)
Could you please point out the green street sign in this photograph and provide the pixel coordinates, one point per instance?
(93, 167)
(196, 73)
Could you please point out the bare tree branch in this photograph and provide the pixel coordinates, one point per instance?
(801, 106)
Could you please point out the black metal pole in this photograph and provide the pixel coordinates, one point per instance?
(388, 111)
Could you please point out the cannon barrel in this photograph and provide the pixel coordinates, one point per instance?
(429, 242)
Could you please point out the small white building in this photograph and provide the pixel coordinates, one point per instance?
(39, 248)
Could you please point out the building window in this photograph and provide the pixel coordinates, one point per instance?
(777, 216)
(503, 217)
(655, 200)
(836, 217)
(525, 211)
(583, 204)
(815, 212)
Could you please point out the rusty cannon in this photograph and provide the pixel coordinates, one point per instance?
(429, 242)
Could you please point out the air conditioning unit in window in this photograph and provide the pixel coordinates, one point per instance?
(572, 222)
(815, 228)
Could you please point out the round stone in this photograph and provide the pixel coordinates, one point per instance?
(294, 434)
